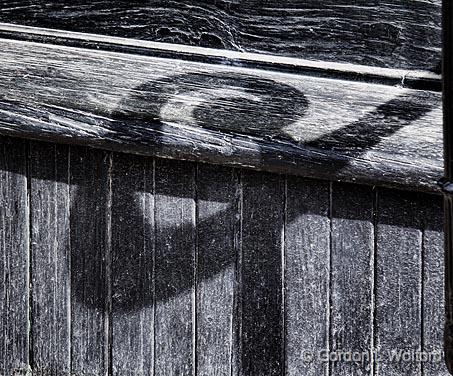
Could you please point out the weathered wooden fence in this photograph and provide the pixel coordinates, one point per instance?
(240, 188)
(133, 265)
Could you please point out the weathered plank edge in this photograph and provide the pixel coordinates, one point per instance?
(415, 79)
(202, 145)
(29, 117)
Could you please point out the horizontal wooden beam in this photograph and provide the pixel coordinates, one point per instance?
(286, 123)
(394, 34)
(416, 79)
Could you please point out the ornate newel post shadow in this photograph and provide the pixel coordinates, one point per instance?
(447, 183)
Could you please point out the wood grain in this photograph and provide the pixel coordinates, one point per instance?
(15, 258)
(401, 33)
(217, 215)
(51, 259)
(90, 260)
(404, 77)
(132, 257)
(262, 244)
(433, 287)
(352, 278)
(227, 295)
(307, 276)
(310, 126)
(175, 268)
(399, 258)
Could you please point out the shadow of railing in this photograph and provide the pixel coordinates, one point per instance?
(236, 104)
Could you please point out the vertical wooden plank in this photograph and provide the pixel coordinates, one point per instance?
(398, 282)
(132, 265)
(352, 280)
(433, 288)
(217, 202)
(174, 268)
(262, 334)
(90, 255)
(307, 260)
(50, 256)
(14, 264)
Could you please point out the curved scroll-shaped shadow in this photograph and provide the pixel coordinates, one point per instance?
(236, 103)
(226, 102)
(239, 104)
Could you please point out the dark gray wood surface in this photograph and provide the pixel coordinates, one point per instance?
(129, 264)
(218, 213)
(399, 276)
(288, 123)
(175, 268)
(352, 276)
(90, 261)
(307, 276)
(132, 265)
(401, 33)
(261, 301)
(15, 258)
(433, 284)
(50, 258)
(165, 267)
